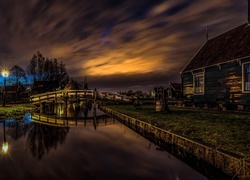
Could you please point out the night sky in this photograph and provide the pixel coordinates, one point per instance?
(117, 44)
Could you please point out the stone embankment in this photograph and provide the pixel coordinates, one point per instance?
(231, 165)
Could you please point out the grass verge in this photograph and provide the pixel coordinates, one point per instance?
(226, 130)
(14, 110)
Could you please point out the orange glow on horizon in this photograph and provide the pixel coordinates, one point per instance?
(129, 66)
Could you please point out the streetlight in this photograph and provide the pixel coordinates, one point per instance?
(5, 145)
(5, 74)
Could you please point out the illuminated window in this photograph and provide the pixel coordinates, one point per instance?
(199, 83)
(246, 77)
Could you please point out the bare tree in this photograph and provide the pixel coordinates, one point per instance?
(17, 72)
(45, 69)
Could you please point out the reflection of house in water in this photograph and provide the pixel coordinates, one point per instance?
(219, 73)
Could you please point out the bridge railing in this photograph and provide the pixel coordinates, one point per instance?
(113, 96)
(77, 93)
(60, 94)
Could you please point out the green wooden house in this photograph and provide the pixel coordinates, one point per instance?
(219, 73)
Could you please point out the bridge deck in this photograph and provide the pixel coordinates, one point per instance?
(63, 95)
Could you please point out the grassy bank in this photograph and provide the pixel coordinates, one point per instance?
(14, 110)
(229, 131)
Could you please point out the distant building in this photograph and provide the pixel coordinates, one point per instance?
(13, 93)
(219, 73)
(159, 93)
(44, 86)
(174, 91)
(152, 93)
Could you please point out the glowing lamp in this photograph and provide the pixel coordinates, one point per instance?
(5, 147)
(5, 73)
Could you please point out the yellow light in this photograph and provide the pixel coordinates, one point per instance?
(5, 73)
(5, 147)
(61, 112)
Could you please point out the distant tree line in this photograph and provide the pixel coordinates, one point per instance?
(40, 68)
(137, 94)
(45, 69)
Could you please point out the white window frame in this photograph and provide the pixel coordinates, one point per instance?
(203, 87)
(243, 78)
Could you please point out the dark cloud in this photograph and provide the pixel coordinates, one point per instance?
(120, 42)
(178, 8)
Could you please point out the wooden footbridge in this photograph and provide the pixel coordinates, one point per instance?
(76, 95)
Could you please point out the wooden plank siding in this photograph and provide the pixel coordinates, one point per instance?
(188, 87)
(223, 85)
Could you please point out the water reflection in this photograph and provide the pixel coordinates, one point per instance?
(5, 145)
(66, 110)
(17, 128)
(89, 145)
(41, 138)
(43, 132)
(75, 113)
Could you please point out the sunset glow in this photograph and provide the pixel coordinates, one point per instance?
(129, 66)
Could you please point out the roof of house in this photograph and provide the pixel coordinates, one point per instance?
(160, 87)
(46, 84)
(10, 88)
(231, 45)
(176, 86)
(13, 89)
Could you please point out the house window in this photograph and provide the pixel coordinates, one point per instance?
(199, 83)
(246, 77)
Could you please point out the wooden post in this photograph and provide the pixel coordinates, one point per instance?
(75, 95)
(94, 115)
(51, 108)
(55, 97)
(42, 107)
(95, 94)
(65, 104)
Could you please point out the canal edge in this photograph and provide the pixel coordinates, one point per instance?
(235, 166)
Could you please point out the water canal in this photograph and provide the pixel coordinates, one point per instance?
(83, 147)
